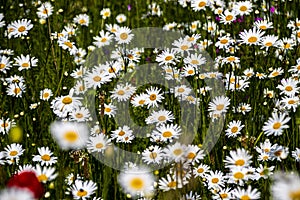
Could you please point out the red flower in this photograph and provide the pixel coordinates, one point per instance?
(27, 180)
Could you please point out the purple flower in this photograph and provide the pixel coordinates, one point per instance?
(129, 7)
(258, 19)
(272, 9)
(148, 59)
(218, 18)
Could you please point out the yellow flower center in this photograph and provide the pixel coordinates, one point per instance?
(67, 100)
(275, 73)
(121, 133)
(243, 8)
(177, 152)
(220, 107)
(180, 90)
(17, 90)
(268, 44)
(195, 62)
(103, 40)
(42, 178)
(121, 92)
(238, 175)
(191, 155)
(68, 44)
(167, 134)
(25, 65)
(172, 184)
(252, 39)
(124, 36)
(245, 197)
(229, 17)
(286, 46)
(224, 195)
(288, 88)
(137, 183)
(153, 155)
(78, 115)
(21, 28)
(234, 129)
(81, 193)
(263, 27)
(141, 102)
(13, 153)
(162, 118)
(224, 41)
(200, 170)
(71, 136)
(190, 71)
(2, 66)
(168, 58)
(82, 21)
(295, 195)
(291, 101)
(215, 180)
(4, 125)
(201, 4)
(46, 95)
(99, 145)
(152, 97)
(45, 157)
(239, 162)
(231, 59)
(184, 47)
(107, 109)
(276, 125)
(97, 78)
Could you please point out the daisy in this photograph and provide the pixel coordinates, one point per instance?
(45, 94)
(154, 97)
(123, 35)
(166, 57)
(175, 152)
(250, 193)
(288, 87)
(121, 18)
(234, 128)
(5, 64)
(263, 24)
(243, 7)
(16, 193)
(66, 103)
(45, 157)
(224, 42)
(95, 80)
(260, 75)
(198, 5)
(139, 100)
(251, 37)
(80, 114)
(201, 170)
(276, 72)
(160, 117)
(112, 28)
(286, 43)
(45, 10)
(240, 157)
(269, 41)
(19, 28)
(182, 91)
(228, 17)
(45, 174)
(238, 175)
(294, 24)
(296, 68)
(193, 154)
(82, 19)
(66, 44)
(296, 154)
(166, 132)
(215, 180)
(25, 62)
(6, 124)
(78, 73)
(2, 23)
(123, 92)
(105, 13)
(279, 153)
(13, 151)
(263, 172)
(210, 27)
(219, 104)
(193, 38)
(110, 110)
(136, 181)
(191, 196)
(286, 186)
(83, 189)
(98, 143)
(265, 147)
(290, 103)
(194, 60)
(122, 134)
(168, 183)
(69, 135)
(152, 154)
(276, 124)
(16, 90)
(181, 46)
(103, 39)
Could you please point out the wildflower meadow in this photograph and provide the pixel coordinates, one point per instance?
(149, 100)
